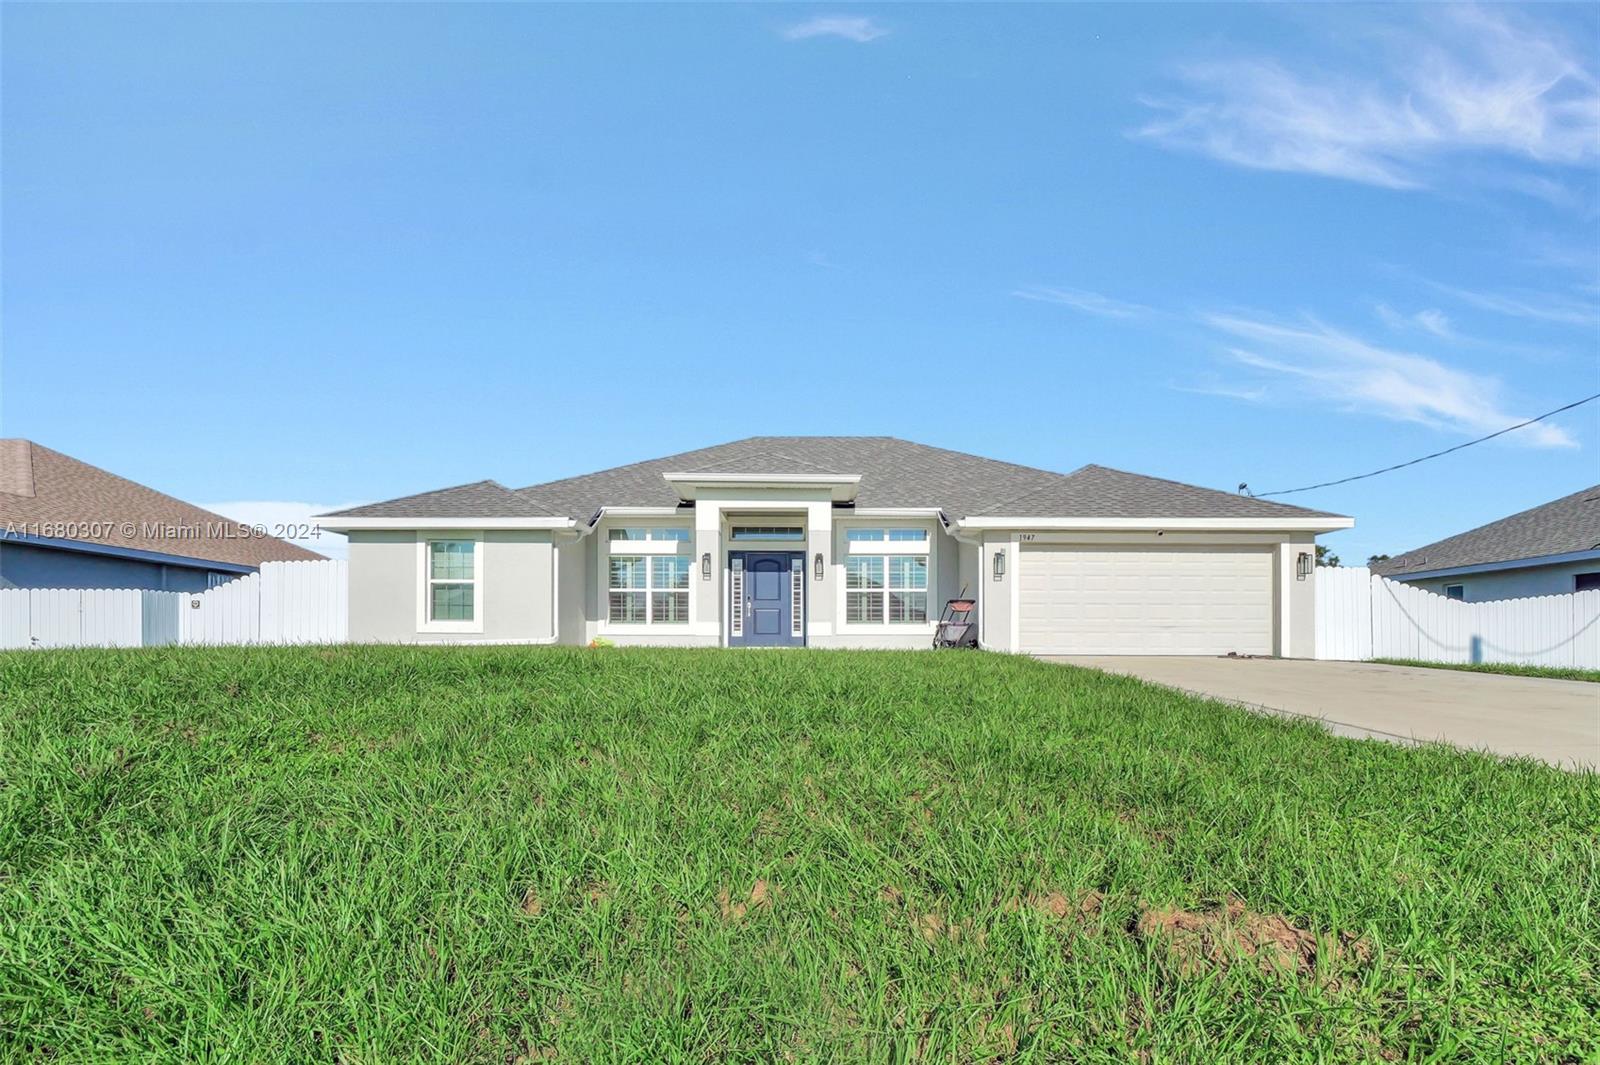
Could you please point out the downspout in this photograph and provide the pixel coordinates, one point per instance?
(951, 528)
(579, 532)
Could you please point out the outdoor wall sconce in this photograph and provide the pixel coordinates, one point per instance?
(817, 566)
(1302, 566)
(705, 566)
(999, 565)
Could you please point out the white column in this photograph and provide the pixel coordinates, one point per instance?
(820, 595)
(708, 541)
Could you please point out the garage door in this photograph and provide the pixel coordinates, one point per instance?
(1174, 601)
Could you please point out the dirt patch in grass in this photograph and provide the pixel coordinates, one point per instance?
(1085, 908)
(1219, 937)
(734, 909)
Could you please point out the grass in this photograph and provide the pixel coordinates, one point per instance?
(1547, 672)
(497, 854)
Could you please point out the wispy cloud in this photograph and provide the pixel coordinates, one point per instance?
(1337, 368)
(857, 28)
(1431, 320)
(1244, 395)
(1083, 300)
(1542, 307)
(1468, 81)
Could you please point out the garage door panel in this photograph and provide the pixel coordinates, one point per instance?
(1169, 601)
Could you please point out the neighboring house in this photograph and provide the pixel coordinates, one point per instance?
(838, 542)
(66, 524)
(1549, 550)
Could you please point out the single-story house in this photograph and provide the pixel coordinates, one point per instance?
(67, 524)
(1548, 550)
(838, 542)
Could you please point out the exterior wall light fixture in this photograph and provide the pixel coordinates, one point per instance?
(999, 565)
(1302, 566)
(817, 566)
(705, 566)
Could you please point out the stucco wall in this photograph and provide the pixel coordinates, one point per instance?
(514, 598)
(1512, 583)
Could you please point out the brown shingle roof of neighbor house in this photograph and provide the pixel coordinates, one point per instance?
(894, 473)
(39, 486)
(1565, 525)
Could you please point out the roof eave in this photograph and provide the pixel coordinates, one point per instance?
(1313, 523)
(1487, 567)
(423, 521)
(841, 487)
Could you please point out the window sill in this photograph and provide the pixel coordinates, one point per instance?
(451, 626)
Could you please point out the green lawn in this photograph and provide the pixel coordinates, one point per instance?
(369, 855)
(1547, 672)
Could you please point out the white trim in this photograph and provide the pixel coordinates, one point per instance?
(894, 512)
(649, 550)
(841, 487)
(425, 582)
(1493, 567)
(638, 512)
(359, 524)
(1328, 524)
(888, 547)
(926, 548)
(649, 547)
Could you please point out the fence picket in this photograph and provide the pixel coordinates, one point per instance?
(1361, 615)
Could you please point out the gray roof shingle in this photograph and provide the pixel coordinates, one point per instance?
(894, 473)
(480, 499)
(1571, 523)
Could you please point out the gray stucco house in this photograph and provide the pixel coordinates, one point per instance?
(837, 542)
(67, 524)
(1546, 550)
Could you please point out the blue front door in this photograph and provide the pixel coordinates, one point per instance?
(767, 600)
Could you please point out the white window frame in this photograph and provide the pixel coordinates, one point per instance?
(887, 550)
(425, 582)
(648, 549)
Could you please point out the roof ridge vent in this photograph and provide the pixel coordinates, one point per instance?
(16, 467)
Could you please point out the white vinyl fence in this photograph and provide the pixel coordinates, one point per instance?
(287, 602)
(1361, 615)
(87, 617)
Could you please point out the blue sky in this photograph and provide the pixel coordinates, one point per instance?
(300, 256)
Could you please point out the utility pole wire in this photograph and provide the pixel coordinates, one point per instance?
(1425, 458)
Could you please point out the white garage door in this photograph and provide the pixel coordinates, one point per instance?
(1173, 601)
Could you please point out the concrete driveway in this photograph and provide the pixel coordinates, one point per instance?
(1554, 720)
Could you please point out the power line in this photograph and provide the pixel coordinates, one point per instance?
(1425, 458)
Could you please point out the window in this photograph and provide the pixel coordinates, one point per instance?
(892, 588)
(768, 532)
(1455, 591)
(863, 589)
(648, 589)
(1585, 582)
(452, 583)
(892, 535)
(677, 533)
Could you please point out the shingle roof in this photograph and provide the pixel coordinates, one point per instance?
(894, 473)
(38, 485)
(1571, 523)
(480, 499)
(1101, 492)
